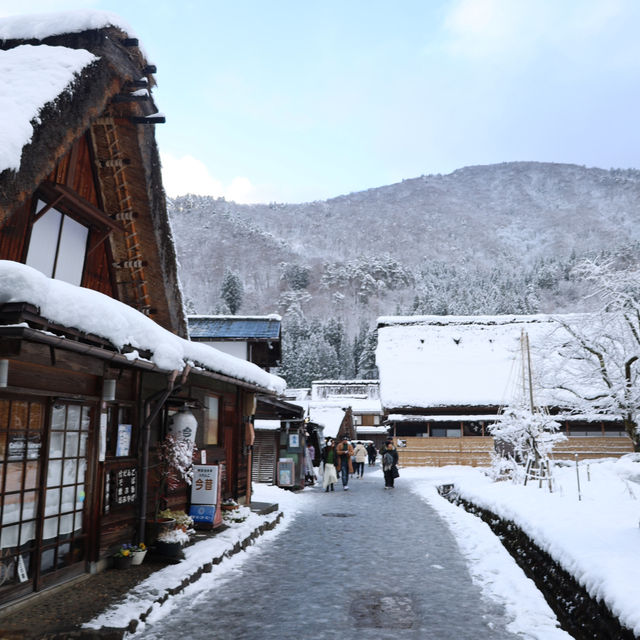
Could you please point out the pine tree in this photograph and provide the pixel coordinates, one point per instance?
(231, 291)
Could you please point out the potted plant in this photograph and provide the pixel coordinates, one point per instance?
(237, 515)
(229, 505)
(138, 552)
(169, 543)
(175, 465)
(122, 557)
(181, 518)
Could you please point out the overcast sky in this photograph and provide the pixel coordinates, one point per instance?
(297, 100)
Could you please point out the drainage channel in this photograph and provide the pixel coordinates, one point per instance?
(579, 614)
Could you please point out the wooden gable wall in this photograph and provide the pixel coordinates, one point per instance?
(75, 171)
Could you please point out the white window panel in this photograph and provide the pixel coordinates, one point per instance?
(43, 243)
(73, 245)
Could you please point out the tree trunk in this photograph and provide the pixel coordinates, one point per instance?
(631, 427)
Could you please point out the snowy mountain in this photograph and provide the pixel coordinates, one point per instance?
(393, 249)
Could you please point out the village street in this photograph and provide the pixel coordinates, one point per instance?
(362, 563)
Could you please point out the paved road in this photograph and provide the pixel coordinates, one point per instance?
(367, 563)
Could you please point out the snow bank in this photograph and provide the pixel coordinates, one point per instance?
(593, 535)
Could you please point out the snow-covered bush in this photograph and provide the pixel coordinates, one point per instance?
(524, 440)
(175, 466)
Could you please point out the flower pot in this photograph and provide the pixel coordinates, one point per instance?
(154, 528)
(138, 556)
(122, 562)
(169, 549)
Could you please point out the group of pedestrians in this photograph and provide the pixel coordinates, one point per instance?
(345, 460)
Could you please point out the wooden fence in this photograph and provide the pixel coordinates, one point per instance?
(476, 451)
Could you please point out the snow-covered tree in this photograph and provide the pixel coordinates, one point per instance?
(296, 276)
(601, 368)
(231, 290)
(524, 441)
(366, 366)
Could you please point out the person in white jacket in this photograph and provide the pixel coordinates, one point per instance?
(361, 455)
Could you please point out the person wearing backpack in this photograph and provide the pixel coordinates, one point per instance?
(389, 464)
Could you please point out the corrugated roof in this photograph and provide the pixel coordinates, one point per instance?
(234, 327)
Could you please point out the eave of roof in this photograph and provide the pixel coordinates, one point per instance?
(234, 328)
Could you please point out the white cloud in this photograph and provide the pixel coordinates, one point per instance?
(189, 175)
(515, 28)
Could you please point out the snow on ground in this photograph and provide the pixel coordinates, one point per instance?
(593, 534)
(142, 597)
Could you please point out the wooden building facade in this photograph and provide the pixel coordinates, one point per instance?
(94, 360)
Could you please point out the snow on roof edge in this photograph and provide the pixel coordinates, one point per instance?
(93, 312)
(270, 316)
(390, 321)
(43, 25)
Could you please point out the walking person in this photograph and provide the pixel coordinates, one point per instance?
(373, 453)
(329, 460)
(360, 455)
(345, 452)
(309, 473)
(389, 464)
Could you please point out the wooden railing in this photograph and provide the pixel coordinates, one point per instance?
(476, 451)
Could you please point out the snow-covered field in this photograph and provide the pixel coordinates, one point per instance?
(592, 532)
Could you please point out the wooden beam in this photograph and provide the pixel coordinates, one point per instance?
(152, 119)
(131, 97)
(59, 192)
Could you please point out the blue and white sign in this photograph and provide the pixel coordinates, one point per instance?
(202, 513)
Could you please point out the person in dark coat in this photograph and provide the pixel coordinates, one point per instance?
(389, 463)
(373, 454)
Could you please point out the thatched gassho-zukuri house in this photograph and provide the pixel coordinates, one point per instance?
(444, 379)
(95, 367)
(93, 153)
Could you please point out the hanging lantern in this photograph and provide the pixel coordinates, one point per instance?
(183, 425)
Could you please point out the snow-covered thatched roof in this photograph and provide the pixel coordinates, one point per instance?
(461, 361)
(66, 78)
(49, 60)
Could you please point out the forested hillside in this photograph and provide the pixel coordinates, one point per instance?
(487, 239)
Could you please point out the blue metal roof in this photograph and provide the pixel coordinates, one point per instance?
(234, 328)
